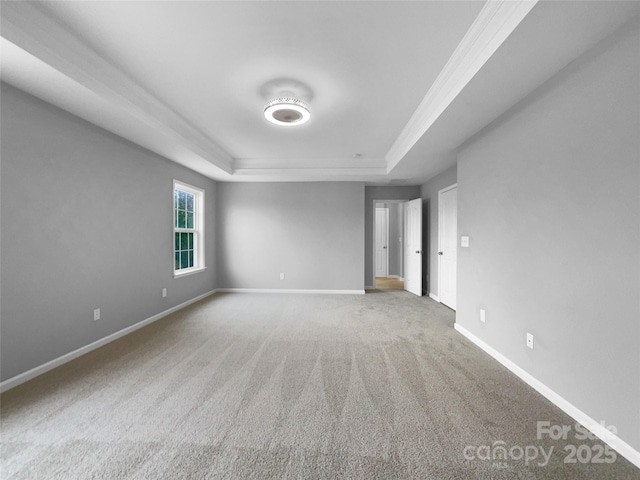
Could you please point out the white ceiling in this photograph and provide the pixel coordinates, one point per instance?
(393, 87)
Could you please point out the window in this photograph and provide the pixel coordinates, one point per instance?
(188, 229)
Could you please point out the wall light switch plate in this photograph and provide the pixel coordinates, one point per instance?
(530, 341)
(164, 292)
(483, 317)
(282, 276)
(464, 241)
(96, 314)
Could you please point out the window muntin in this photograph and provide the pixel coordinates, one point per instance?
(188, 229)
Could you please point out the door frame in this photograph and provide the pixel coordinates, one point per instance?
(375, 246)
(373, 237)
(440, 192)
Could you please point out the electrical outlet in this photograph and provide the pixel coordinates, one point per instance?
(96, 314)
(530, 341)
(483, 315)
(164, 292)
(282, 276)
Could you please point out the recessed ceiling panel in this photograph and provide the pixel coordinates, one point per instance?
(190, 80)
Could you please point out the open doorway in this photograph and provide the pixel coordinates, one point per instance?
(388, 245)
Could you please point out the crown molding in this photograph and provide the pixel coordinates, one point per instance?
(309, 163)
(27, 26)
(495, 22)
(309, 168)
(311, 172)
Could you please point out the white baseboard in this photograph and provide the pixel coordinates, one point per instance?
(435, 297)
(369, 287)
(56, 362)
(396, 276)
(291, 290)
(615, 442)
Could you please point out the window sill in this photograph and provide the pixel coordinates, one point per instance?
(186, 273)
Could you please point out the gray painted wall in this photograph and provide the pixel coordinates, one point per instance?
(429, 194)
(86, 223)
(372, 194)
(313, 232)
(550, 197)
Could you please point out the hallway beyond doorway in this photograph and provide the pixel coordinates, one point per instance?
(384, 283)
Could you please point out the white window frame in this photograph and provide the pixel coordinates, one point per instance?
(198, 228)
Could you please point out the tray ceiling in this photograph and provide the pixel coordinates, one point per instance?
(393, 87)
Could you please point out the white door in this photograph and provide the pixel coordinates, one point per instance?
(447, 245)
(413, 246)
(382, 242)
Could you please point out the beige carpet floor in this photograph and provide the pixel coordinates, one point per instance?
(259, 386)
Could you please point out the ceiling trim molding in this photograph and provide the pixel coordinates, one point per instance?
(340, 164)
(27, 26)
(495, 22)
(311, 172)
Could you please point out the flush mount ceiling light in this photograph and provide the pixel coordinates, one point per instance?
(287, 111)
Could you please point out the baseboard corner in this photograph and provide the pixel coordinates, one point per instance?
(292, 290)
